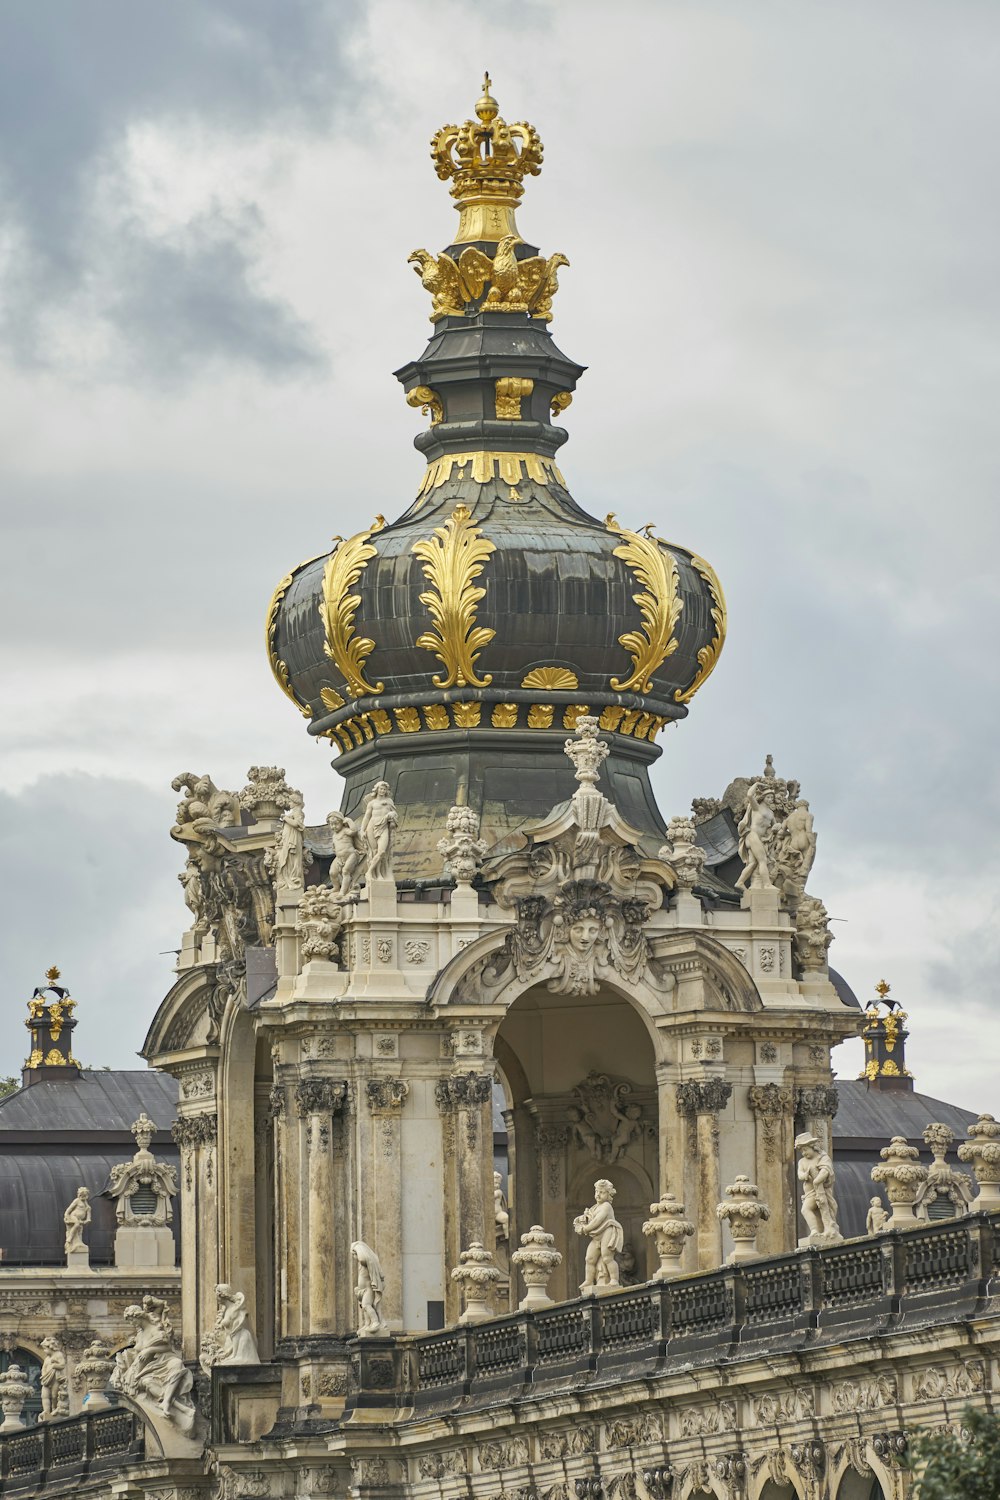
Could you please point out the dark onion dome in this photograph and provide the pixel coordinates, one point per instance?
(495, 610)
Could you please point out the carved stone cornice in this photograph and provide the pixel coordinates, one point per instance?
(319, 1096)
(195, 1130)
(463, 1091)
(819, 1099)
(386, 1095)
(703, 1096)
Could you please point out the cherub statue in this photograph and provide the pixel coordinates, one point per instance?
(819, 1206)
(348, 855)
(369, 1290)
(54, 1387)
(584, 1129)
(599, 1225)
(378, 827)
(626, 1130)
(753, 828)
(76, 1218)
(878, 1216)
(500, 1211)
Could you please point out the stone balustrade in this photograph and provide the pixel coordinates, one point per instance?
(71, 1450)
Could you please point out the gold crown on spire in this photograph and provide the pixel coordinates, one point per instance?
(488, 160)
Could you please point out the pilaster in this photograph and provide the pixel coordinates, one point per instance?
(772, 1107)
(386, 1097)
(317, 1102)
(701, 1101)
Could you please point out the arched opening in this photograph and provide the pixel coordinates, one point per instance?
(855, 1486)
(32, 1367)
(773, 1491)
(579, 1076)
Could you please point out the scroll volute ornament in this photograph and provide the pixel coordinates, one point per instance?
(339, 606)
(659, 602)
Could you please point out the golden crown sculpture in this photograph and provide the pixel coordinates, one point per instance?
(488, 166)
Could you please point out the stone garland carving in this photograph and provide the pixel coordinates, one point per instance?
(602, 1120)
(870, 1393)
(743, 1212)
(415, 950)
(143, 1172)
(782, 1406)
(504, 1453)
(772, 1104)
(231, 1341)
(812, 936)
(437, 1465)
(369, 1291)
(477, 1275)
(982, 1149)
(76, 1218)
(903, 1174)
(461, 848)
(54, 1385)
(943, 1180)
(569, 1442)
(626, 1432)
(669, 1229)
(378, 831)
(819, 1206)
(319, 921)
(536, 1260)
(151, 1369)
(267, 794)
(702, 1421)
(683, 855)
(599, 1225)
(939, 1381)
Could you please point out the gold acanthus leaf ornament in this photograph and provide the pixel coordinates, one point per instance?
(709, 655)
(278, 667)
(338, 607)
(452, 559)
(659, 602)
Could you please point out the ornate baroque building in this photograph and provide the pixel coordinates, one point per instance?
(655, 1299)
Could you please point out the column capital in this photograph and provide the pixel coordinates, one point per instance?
(819, 1099)
(386, 1094)
(195, 1130)
(771, 1099)
(463, 1090)
(319, 1096)
(703, 1096)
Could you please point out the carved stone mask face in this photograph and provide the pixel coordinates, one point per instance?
(583, 934)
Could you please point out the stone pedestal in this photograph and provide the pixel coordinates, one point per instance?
(79, 1260)
(144, 1245)
(381, 898)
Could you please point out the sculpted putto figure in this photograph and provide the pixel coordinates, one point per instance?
(151, 1368)
(500, 1211)
(599, 1225)
(231, 1341)
(368, 1292)
(348, 855)
(378, 827)
(878, 1217)
(76, 1218)
(289, 856)
(54, 1389)
(819, 1206)
(753, 828)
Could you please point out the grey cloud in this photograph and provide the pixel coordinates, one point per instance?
(73, 78)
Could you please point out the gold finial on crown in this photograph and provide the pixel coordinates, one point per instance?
(882, 989)
(488, 160)
(52, 974)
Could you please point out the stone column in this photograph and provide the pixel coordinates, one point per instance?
(465, 1102)
(386, 1097)
(317, 1100)
(290, 1309)
(701, 1101)
(196, 1135)
(816, 1106)
(772, 1107)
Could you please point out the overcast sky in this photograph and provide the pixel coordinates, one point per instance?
(783, 225)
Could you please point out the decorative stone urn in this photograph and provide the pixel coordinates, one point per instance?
(536, 1260)
(903, 1175)
(669, 1228)
(14, 1392)
(477, 1276)
(743, 1212)
(94, 1370)
(983, 1151)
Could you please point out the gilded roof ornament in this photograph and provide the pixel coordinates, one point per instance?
(487, 160)
(659, 602)
(452, 559)
(337, 609)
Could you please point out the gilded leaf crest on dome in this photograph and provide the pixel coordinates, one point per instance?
(339, 606)
(709, 655)
(452, 559)
(551, 679)
(659, 602)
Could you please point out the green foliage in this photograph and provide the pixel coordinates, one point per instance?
(958, 1470)
(9, 1085)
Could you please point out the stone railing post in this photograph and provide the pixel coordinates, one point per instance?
(536, 1260)
(669, 1229)
(982, 1149)
(743, 1211)
(477, 1276)
(903, 1175)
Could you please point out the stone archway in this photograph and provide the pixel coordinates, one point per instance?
(579, 1075)
(855, 1486)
